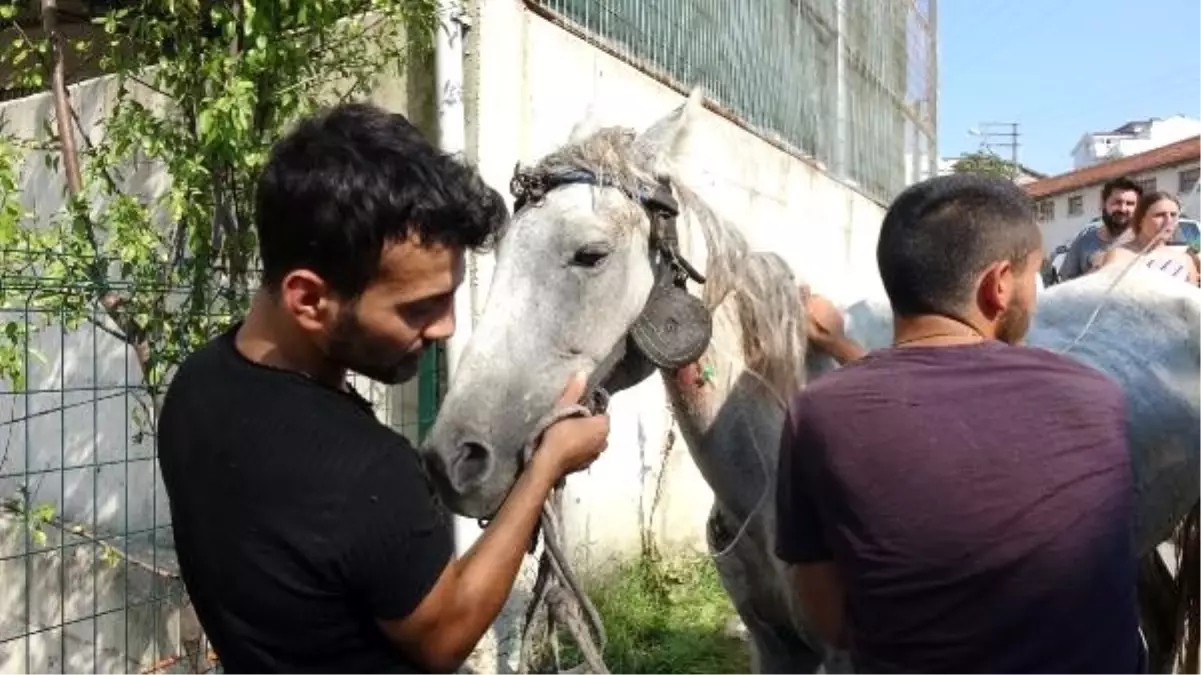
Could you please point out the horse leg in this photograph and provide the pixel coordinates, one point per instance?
(1156, 610)
(748, 577)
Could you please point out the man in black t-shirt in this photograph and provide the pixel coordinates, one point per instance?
(307, 534)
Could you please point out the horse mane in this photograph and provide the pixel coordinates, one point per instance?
(770, 313)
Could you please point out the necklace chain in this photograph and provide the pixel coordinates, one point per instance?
(931, 336)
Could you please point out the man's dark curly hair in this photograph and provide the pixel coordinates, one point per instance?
(352, 178)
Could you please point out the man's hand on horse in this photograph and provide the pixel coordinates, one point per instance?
(573, 443)
(826, 330)
(824, 322)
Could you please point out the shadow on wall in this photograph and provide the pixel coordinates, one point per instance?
(75, 457)
(66, 609)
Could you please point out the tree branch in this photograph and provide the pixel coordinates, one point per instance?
(108, 299)
(58, 84)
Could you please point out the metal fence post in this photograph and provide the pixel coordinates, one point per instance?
(429, 389)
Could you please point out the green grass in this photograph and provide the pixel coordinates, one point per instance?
(666, 617)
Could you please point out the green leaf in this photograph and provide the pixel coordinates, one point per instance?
(207, 127)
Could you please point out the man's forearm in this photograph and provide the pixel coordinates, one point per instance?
(823, 599)
(487, 570)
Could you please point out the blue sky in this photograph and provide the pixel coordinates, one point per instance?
(1062, 68)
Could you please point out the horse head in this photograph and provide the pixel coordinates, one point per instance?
(591, 275)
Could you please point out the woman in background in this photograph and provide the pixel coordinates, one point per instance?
(1152, 227)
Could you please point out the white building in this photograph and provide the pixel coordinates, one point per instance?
(1067, 202)
(1133, 138)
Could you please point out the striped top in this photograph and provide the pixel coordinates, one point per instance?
(1173, 261)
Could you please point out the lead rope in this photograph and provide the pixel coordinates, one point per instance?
(1106, 296)
(556, 587)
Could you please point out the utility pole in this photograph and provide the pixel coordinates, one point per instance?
(1000, 135)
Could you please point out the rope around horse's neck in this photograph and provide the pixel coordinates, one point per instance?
(1107, 295)
(556, 583)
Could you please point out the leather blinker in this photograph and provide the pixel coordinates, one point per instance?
(673, 329)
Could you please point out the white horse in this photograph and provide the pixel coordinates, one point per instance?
(599, 271)
(588, 261)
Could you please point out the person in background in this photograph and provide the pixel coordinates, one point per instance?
(1152, 228)
(1118, 200)
(956, 502)
(309, 538)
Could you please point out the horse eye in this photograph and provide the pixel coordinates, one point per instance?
(589, 256)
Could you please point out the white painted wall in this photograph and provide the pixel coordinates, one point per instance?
(1062, 227)
(1100, 147)
(530, 82)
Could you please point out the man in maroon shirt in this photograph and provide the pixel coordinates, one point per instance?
(957, 503)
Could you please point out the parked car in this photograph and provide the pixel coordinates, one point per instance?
(1188, 233)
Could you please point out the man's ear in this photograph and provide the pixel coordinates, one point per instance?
(996, 288)
(308, 299)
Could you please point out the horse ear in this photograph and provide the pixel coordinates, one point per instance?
(585, 127)
(665, 140)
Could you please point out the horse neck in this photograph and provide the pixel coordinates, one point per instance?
(696, 405)
(729, 420)
(729, 416)
(720, 252)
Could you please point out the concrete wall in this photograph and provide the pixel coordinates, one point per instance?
(69, 437)
(527, 83)
(1063, 226)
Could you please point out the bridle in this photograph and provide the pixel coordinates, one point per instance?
(674, 327)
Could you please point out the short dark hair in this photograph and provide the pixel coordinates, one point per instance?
(939, 234)
(1122, 184)
(348, 180)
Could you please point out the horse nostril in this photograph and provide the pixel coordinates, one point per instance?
(471, 464)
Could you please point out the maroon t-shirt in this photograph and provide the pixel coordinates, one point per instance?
(978, 502)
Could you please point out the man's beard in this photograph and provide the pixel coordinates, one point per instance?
(1115, 223)
(1014, 324)
(353, 348)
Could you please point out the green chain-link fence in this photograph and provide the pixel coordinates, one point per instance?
(88, 577)
(849, 83)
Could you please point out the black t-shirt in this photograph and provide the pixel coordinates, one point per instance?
(978, 501)
(299, 519)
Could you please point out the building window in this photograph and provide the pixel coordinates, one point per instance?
(1148, 185)
(1075, 205)
(1188, 180)
(1046, 209)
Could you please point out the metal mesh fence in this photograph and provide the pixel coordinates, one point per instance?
(89, 581)
(848, 83)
